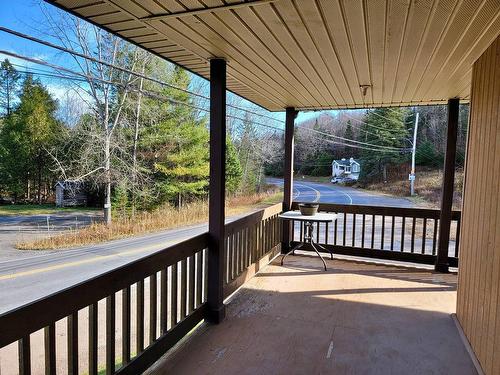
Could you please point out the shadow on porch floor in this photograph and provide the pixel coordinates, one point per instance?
(356, 318)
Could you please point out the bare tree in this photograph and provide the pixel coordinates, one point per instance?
(106, 90)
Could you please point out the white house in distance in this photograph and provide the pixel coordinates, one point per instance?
(345, 169)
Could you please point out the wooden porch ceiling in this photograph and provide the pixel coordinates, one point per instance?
(314, 54)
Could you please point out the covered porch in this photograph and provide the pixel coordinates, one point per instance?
(359, 316)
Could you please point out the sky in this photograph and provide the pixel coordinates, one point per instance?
(26, 16)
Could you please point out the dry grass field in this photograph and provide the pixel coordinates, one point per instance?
(428, 185)
(165, 217)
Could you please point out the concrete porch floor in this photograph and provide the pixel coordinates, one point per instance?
(356, 318)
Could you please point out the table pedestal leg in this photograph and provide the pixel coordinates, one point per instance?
(317, 252)
(291, 251)
(308, 234)
(324, 248)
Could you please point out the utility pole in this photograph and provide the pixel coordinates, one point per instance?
(414, 148)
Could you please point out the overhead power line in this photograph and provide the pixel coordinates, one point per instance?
(351, 140)
(125, 70)
(370, 147)
(93, 59)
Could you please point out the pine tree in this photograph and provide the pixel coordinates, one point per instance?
(176, 148)
(28, 133)
(234, 171)
(349, 134)
(383, 127)
(9, 82)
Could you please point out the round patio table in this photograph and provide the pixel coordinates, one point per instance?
(309, 222)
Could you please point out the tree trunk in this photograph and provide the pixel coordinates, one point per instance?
(28, 188)
(107, 188)
(39, 180)
(136, 141)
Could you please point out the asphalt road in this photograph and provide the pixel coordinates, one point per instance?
(305, 191)
(24, 279)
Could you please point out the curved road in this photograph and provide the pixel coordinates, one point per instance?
(306, 191)
(26, 278)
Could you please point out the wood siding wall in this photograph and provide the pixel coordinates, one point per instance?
(478, 302)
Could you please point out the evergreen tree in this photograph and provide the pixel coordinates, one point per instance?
(385, 127)
(233, 168)
(176, 148)
(9, 82)
(349, 134)
(28, 134)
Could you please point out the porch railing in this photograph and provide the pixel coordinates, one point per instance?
(250, 243)
(139, 310)
(142, 309)
(396, 233)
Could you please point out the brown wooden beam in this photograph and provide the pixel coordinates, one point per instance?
(442, 263)
(291, 114)
(216, 216)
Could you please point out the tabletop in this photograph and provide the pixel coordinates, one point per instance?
(319, 217)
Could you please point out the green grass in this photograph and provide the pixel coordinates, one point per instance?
(35, 209)
(323, 179)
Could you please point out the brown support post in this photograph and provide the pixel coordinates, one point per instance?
(448, 184)
(291, 114)
(216, 216)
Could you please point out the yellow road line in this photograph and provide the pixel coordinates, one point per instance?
(84, 261)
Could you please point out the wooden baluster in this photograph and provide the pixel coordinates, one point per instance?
(413, 224)
(237, 249)
(434, 237)
(72, 342)
(110, 334)
(247, 246)
(242, 250)
(335, 225)
(227, 261)
(93, 339)
(50, 349)
(252, 243)
(424, 233)
(392, 232)
(205, 274)
(363, 228)
(183, 289)
(457, 238)
(153, 290)
(24, 350)
(191, 302)
(301, 223)
(383, 233)
(344, 230)
(163, 301)
(327, 228)
(173, 296)
(140, 317)
(403, 228)
(233, 256)
(353, 230)
(126, 325)
(317, 232)
(234, 250)
(264, 237)
(199, 278)
(372, 246)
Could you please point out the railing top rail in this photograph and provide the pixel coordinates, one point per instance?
(253, 218)
(38, 314)
(427, 213)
